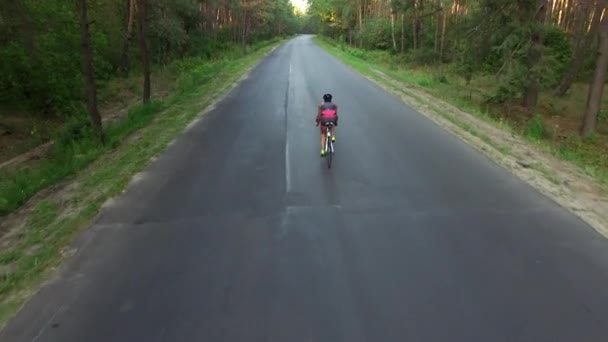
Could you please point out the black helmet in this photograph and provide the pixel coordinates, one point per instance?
(327, 97)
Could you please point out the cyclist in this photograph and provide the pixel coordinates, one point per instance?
(328, 112)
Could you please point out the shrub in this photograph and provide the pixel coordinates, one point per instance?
(535, 128)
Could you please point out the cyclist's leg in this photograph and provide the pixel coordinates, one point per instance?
(323, 137)
(333, 133)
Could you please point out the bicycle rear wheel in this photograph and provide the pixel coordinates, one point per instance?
(330, 151)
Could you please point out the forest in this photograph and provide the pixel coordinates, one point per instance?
(80, 75)
(539, 65)
(77, 77)
(43, 43)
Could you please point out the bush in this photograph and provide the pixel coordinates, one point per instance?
(424, 56)
(535, 128)
(556, 57)
(76, 129)
(376, 34)
(503, 94)
(358, 53)
(442, 78)
(14, 73)
(425, 81)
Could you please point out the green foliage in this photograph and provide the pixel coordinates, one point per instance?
(442, 78)
(424, 56)
(358, 53)
(589, 63)
(42, 69)
(14, 68)
(425, 81)
(510, 61)
(203, 45)
(376, 34)
(79, 128)
(535, 128)
(138, 117)
(591, 138)
(557, 56)
(504, 93)
(40, 48)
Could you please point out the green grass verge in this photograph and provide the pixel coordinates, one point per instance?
(54, 222)
(586, 154)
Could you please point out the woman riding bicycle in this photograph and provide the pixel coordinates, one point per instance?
(328, 113)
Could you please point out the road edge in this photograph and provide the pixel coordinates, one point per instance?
(559, 181)
(66, 194)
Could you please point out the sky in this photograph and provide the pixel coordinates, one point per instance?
(300, 4)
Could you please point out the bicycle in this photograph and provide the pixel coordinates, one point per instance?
(329, 145)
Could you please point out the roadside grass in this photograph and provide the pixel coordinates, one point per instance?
(100, 172)
(553, 128)
(22, 130)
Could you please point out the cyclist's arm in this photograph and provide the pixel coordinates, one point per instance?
(318, 119)
(336, 115)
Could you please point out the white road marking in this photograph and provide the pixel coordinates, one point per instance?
(287, 163)
(287, 168)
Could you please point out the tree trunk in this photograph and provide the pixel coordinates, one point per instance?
(242, 22)
(437, 30)
(27, 30)
(415, 24)
(124, 55)
(549, 14)
(393, 31)
(248, 30)
(534, 57)
(456, 18)
(216, 23)
(562, 10)
(596, 88)
(568, 16)
(582, 44)
(445, 24)
(414, 34)
(402, 33)
(419, 25)
(143, 44)
(201, 17)
(360, 17)
(87, 69)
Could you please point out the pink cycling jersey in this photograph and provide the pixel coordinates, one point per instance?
(328, 112)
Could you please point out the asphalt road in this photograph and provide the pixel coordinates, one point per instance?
(239, 232)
